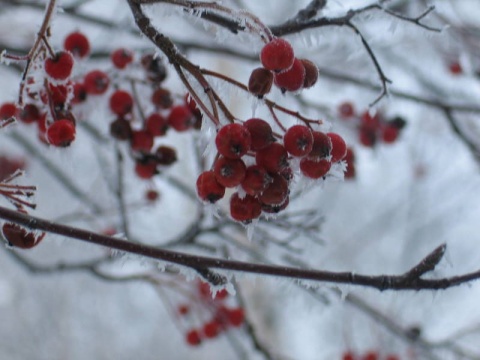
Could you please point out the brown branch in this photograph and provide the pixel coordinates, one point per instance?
(379, 282)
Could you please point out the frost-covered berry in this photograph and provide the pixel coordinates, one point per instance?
(208, 188)
(256, 180)
(314, 168)
(146, 169)
(276, 191)
(121, 102)
(346, 110)
(77, 43)
(260, 132)
(291, 79)
(229, 172)
(96, 82)
(273, 158)
(244, 209)
(277, 55)
(233, 141)
(155, 70)
(322, 145)
(121, 58)
(211, 329)
(260, 82)
(339, 147)
(61, 133)
(29, 114)
(60, 66)
(298, 140)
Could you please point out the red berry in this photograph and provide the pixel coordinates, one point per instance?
(392, 357)
(314, 168)
(165, 155)
(152, 195)
(96, 82)
(244, 209)
(348, 356)
(211, 329)
(273, 158)
(221, 294)
(29, 114)
(79, 93)
(146, 170)
(390, 134)
(18, 236)
(371, 355)
(277, 55)
(121, 130)
(298, 140)
(292, 79)
(311, 73)
(61, 133)
(455, 68)
(142, 140)
(193, 337)
(346, 110)
(260, 82)
(156, 71)
(256, 180)
(7, 111)
(350, 160)
(156, 124)
(276, 191)
(339, 147)
(260, 132)
(58, 94)
(367, 137)
(276, 208)
(236, 316)
(322, 145)
(208, 188)
(162, 98)
(121, 102)
(121, 58)
(181, 118)
(183, 309)
(369, 121)
(233, 141)
(60, 66)
(77, 44)
(229, 172)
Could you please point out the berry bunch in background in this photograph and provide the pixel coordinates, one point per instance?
(215, 311)
(372, 129)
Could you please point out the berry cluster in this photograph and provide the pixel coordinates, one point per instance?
(53, 100)
(372, 129)
(221, 316)
(282, 68)
(369, 355)
(263, 186)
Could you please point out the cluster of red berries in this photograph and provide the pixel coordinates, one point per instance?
(223, 317)
(282, 68)
(372, 129)
(264, 185)
(369, 355)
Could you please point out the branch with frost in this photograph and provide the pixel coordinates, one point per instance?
(203, 263)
